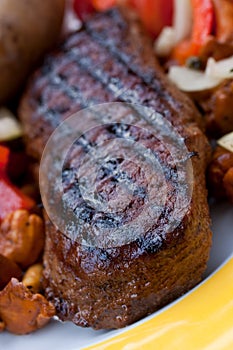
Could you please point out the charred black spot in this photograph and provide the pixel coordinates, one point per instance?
(119, 129)
(84, 212)
(108, 221)
(108, 168)
(84, 143)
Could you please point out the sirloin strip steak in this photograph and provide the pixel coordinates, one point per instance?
(111, 60)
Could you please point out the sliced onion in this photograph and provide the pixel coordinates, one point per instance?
(190, 80)
(10, 128)
(165, 42)
(221, 69)
(182, 21)
(226, 142)
(181, 28)
(71, 22)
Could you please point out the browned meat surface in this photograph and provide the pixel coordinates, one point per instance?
(111, 59)
(101, 63)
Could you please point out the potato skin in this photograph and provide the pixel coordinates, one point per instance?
(28, 28)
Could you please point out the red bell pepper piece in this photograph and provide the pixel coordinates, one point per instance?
(154, 14)
(4, 157)
(203, 21)
(203, 15)
(86, 7)
(102, 5)
(83, 8)
(11, 198)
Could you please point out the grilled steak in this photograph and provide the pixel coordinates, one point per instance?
(111, 60)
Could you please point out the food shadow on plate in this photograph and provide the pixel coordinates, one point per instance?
(222, 226)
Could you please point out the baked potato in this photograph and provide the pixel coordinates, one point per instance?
(27, 30)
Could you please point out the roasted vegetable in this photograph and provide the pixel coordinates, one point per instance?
(10, 128)
(218, 109)
(22, 311)
(32, 278)
(180, 30)
(203, 19)
(154, 14)
(191, 80)
(22, 237)
(11, 197)
(224, 20)
(221, 174)
(102, 5)
(228, 184)
(83, 8)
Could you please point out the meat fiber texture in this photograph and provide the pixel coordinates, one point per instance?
(111, 60)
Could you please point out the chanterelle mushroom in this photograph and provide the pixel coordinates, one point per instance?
(22, 237)
(34, 310)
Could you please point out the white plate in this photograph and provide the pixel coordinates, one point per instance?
(66, 336)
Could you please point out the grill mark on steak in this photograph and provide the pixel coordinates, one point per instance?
(84, 72)
(63, 82)
(89, 63)
(110, 79)
(106, 183)
(115, 76)
(121, 41)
